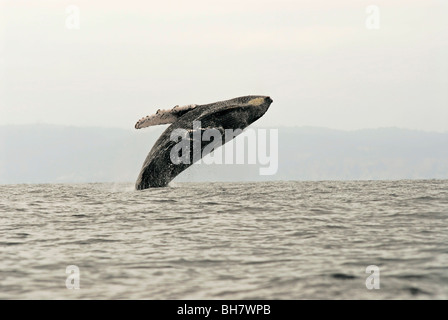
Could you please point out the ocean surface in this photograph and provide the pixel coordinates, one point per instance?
(276, 240)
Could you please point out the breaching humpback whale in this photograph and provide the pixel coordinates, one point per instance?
(238, 113)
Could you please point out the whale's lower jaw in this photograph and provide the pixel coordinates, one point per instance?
(158, 169)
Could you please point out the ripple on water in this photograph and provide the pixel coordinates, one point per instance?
(270, 240)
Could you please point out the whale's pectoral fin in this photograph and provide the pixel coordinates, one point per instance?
(164, 116)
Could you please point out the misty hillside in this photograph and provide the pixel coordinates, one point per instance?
(50, 153)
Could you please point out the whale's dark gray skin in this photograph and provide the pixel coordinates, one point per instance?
(238, 113)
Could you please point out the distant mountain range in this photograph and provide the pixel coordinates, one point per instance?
(60, 154)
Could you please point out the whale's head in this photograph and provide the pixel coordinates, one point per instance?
(236, 113)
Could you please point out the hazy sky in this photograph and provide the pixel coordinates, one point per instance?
(316, 59)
